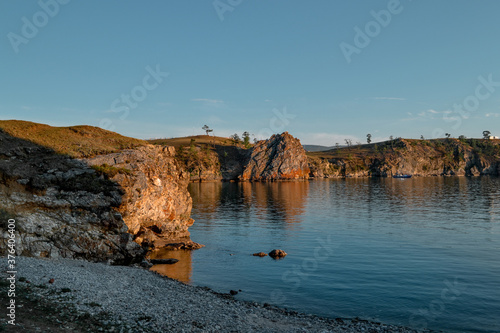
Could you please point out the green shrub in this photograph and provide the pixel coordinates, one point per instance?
(110, 171)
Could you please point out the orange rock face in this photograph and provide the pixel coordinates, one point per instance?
(155, 205)
(281, 157)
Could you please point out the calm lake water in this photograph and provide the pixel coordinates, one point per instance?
(420, 252)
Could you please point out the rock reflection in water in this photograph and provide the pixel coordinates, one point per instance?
(181, 271)
(271, 201)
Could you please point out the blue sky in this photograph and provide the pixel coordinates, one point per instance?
(423, 68)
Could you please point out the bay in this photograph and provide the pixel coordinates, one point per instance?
(419, 252)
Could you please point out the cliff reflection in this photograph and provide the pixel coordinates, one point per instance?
(284, 201)
(273, 201)
(181, 271)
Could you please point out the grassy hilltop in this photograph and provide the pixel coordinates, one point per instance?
(75, 141)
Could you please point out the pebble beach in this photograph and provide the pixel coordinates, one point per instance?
(134, 299)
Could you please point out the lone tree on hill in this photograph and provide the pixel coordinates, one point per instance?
(447, 135)
(207, 129)
(486, 134)
(246, 138)
(369, 138)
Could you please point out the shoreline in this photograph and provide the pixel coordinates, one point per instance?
(134, 299)
(334, 178)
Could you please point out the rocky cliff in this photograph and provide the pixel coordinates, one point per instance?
(156, 205)
(281, 157)
(69, 201)
(62, 208)
(441, 157)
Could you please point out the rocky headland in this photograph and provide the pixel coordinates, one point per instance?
(62, 207)
(155, 204)
(438, 157)
(282, 157)
(82, 192)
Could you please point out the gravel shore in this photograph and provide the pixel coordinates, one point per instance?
(132, 299)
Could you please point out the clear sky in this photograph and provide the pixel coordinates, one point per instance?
(323, 70)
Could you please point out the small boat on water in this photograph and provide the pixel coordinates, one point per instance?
(401, 176)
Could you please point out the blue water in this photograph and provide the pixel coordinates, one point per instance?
(420, 252)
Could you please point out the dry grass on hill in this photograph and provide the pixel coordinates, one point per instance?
(75, 141)
(199, 140)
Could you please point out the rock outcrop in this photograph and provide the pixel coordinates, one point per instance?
(281, 157)
(446, 157)
(156, 205)
(61, 206)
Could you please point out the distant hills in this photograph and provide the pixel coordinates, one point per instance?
(312, 148)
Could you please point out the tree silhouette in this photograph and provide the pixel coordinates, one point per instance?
(207, 129)
(246, 139)
(369, 138)
(486, 134)
(235, 137)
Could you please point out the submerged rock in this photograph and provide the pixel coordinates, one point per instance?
(163, 261)
(276, 254)
(260, 254)
(186, 245)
